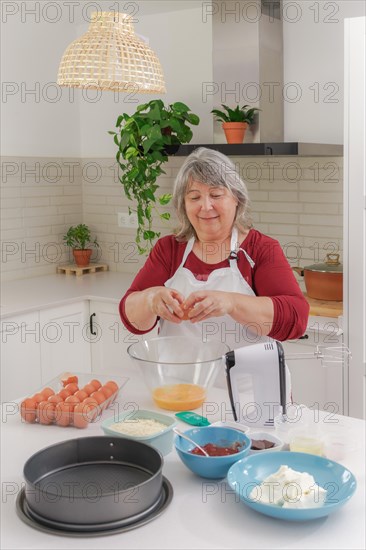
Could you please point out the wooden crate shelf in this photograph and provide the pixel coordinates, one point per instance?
(76, 270)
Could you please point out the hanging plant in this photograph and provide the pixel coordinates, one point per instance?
(144, 141)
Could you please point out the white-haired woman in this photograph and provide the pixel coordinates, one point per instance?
(217, 277)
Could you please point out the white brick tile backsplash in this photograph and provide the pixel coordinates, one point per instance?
(321, 220)
(276, 218)
(8, 235)
(69, 208)
(9, 192)
(67, 200)
(283, 196)
(263, 227)
(39, 212)
(275, 230)
(39, 201)
(37, 232)
(273, 207)
(41, 191)
(320, 197)
(297, 200)
(11, 203)
(327, 232)
(278, 185)
(316, 208)
(321, 187)
(40, 221)
(10, 223)
(11, 213)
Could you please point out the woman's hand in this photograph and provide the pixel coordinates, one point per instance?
(165, 303)
(257, 311)
(202, 305)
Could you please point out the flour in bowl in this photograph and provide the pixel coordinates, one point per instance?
(139, 427)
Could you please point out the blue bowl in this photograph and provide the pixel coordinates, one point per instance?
(212, 467)
(248, 473)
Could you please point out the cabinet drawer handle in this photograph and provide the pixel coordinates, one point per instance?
(91, 324)
(304, 337)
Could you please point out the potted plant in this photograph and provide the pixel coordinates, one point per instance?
(235, 121)
(144, 140)
(79, 239)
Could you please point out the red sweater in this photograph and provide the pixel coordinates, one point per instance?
(271, 276)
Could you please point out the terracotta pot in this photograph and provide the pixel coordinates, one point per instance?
(324, 281)
(234, 131)
(82, 257)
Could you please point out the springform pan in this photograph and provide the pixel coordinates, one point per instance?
(92, 481)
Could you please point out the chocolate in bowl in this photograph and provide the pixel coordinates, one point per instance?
(261, 444)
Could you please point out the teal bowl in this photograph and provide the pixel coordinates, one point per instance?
(212, 467)
(162, 441)
(248, 473)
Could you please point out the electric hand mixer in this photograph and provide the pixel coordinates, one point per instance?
(263, 365)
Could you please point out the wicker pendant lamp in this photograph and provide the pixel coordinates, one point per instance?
(109, 56)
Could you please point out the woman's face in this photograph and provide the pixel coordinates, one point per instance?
(211, 210)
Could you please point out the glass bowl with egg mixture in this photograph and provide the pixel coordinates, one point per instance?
(178, 370)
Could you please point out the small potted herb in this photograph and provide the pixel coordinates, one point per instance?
(79, 239)
(235, 121)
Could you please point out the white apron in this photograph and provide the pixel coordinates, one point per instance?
(224, 328)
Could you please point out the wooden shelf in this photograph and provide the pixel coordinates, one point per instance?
(78, 271)
(324, 308)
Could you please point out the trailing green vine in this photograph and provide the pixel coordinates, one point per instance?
(143, 140)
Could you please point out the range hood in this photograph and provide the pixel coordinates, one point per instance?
(247, 47)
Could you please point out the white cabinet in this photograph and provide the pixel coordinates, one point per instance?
(111, 340)
(20, 356)
(65, 344)
(314, 385)
(83, 336)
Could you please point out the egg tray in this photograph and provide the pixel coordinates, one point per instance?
(72, 419)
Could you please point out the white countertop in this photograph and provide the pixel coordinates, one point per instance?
(203, 514)
(26, 295)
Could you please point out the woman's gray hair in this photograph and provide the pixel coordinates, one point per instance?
(216, 170)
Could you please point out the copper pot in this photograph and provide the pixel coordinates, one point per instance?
(324, 281)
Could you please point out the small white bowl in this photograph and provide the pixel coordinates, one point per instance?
(278, 443)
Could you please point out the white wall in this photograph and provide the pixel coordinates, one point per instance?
(354, 213)
(183, 46)
(75, 125)
(313, 60)
(43, 123)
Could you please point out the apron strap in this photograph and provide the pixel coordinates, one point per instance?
(234, 247)
(188, 249)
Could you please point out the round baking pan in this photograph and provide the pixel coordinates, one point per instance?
(52, 528)
(93, 481)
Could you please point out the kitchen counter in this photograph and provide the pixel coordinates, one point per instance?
(26, 295)
(203, 514)
(324, 308)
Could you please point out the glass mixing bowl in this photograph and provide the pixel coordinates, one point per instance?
(178, 370)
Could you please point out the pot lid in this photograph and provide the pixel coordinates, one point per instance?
(331, 265)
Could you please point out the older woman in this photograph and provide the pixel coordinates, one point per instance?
(217, 277)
